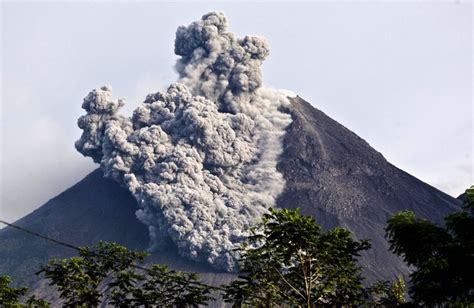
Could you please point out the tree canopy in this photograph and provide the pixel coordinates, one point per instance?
(443, 255)
(108, 272)
(14, 297)
(288, 259)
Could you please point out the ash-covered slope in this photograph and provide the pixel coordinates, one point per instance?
(330, 173)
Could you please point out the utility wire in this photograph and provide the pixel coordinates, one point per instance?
(90, 252)
(96, 254)
(41, 236)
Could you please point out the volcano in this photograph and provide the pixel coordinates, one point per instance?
(330, 172)
(195, 166)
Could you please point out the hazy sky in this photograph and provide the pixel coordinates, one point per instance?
(397, 74)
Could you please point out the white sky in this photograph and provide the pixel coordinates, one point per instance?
(397, 74)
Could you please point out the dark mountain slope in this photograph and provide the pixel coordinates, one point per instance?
(331, 174)
(92, 210)
(335, 176)
(462, 197)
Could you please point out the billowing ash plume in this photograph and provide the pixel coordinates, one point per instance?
(201, 158)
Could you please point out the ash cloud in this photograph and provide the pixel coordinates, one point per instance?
(201, 157)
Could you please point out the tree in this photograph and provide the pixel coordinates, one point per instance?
(443, 256)
(11, 296)
(78, 278)
(289, 260)
(388, 294)
(158, 286)
(108, 272)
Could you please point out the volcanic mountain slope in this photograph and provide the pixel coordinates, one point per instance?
(340, 180)
(331, 174)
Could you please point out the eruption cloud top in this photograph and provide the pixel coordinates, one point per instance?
(201, 158)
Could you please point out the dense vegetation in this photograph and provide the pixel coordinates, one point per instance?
(443, 256)
(10, 296)
(287, 260)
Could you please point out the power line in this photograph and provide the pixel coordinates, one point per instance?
(90, 252)
(200, 284)
(40, 235)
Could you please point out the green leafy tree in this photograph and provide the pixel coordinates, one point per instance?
(388, 294)
(289, 260)
(78, 278)
(159, 286)
(443, 256)
(108, 272)
(11, 296)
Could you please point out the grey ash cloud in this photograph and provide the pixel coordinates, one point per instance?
(201, 157)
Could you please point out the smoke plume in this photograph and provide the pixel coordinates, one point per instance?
(200, 158)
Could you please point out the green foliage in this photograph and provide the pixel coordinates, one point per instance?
(11, 297)
(110, 273)
(78, 278)
(32, 301)
(289, 260)
(158, 286)
(388, 294)
(443, 256)
(397, 291)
